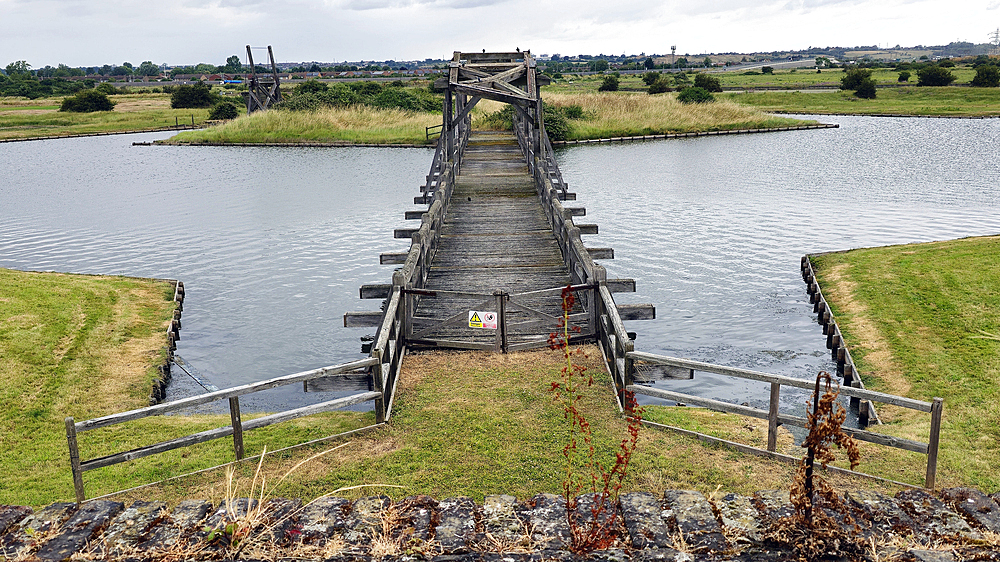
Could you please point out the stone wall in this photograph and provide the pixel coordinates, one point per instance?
(956, 524)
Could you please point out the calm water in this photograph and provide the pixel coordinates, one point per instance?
(272, 244)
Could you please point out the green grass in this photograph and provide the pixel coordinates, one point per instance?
(133, 112)
(87, 346)
(909, 100)
(912, 317)
(358, 124)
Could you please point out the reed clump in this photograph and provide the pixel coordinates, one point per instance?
(354, 124)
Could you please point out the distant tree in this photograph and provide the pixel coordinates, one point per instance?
(660, 86)
(197, 95)
(681, 62)
(87, 101)
(650, 78)
(315, 68)
(934, 76)
(904, 76)
(610, 84)
(233, 65)
(709, 83)
(599, 65)
(767, 70)
(708, 62)
(853, 77)
(695, 94)
(946, 63)
(649, 63)
(311, 86)
(987, 76)
(147, 68)
(224, 110)
(866, 89)
(18, 68)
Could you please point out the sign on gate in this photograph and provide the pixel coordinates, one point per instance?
(482, 319)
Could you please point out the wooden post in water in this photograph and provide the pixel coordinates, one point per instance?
(234, 415)
(74, 460)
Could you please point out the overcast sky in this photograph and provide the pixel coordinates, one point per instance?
(175, 32)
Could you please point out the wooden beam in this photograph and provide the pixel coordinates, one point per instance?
(392, 258)
(491, 94)
(404, 232)
(637, 311)
(376, 291)
(621, 285)
(362, 319)
(576, 211)
(601, 253)
(567, 196)
(414, 215)
(587, 228)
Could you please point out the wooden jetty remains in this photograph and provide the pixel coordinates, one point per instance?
(495, 247)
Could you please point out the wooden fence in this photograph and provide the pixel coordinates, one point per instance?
(236, 428)
(774, 418)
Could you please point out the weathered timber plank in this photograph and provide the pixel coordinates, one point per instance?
(392, 258)
(602, 253)
(362, 319)
(621, 285)
(637, 311)
(376, 291)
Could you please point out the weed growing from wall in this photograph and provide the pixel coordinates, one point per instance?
(595, 525)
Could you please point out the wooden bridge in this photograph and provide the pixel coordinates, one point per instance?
(496, 247)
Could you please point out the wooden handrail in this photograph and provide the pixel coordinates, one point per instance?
(774, 418)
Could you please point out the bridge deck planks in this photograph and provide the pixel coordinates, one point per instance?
(495, 236)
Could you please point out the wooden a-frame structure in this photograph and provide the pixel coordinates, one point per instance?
(264, 90)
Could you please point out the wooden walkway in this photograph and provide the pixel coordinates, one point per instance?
(495, 237)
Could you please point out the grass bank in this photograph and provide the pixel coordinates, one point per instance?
(357, 124)
(21, 118)
(472, 424)
(86, 346)
(915, 318)
(949, 101)
(617, 114)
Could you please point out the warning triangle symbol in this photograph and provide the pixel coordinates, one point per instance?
(475, 317)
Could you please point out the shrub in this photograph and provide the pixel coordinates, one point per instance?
(310, 86)
(709, 83)
(934, 76)
(904, 76)
(197, 95)
(694, 94)
(87, 101)
(224, 110)
(853, 78)
(650, 78)
(659, 87)
(767, 70)
(556, 124)
(866, 89)
(573, 112)
(610, 84)
(987, 76)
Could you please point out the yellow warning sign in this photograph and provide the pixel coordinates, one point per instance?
(486, 320)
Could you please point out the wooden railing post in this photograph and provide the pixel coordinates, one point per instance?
(378, 379)
(74, 460)
(932, 444)
(772, 418)
(234, 415)
(500, 343)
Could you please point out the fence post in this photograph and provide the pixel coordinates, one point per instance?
(378, 379)
(772, 418)
(234, 415)
(74, 460)
(500, 343)
(932, 443)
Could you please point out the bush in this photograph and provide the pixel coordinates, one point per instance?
(767, 70)
(310, 86)
(610, 84)
(556, 124)
(709, 83)
(224, 110)
(197, 95)
(904, 76)
(650, 78)
(87, 101)
(934, 76)
(694, 94)
(573, 112)
(866, 89)
(987, 76)
(853, 78)
(660, 86)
